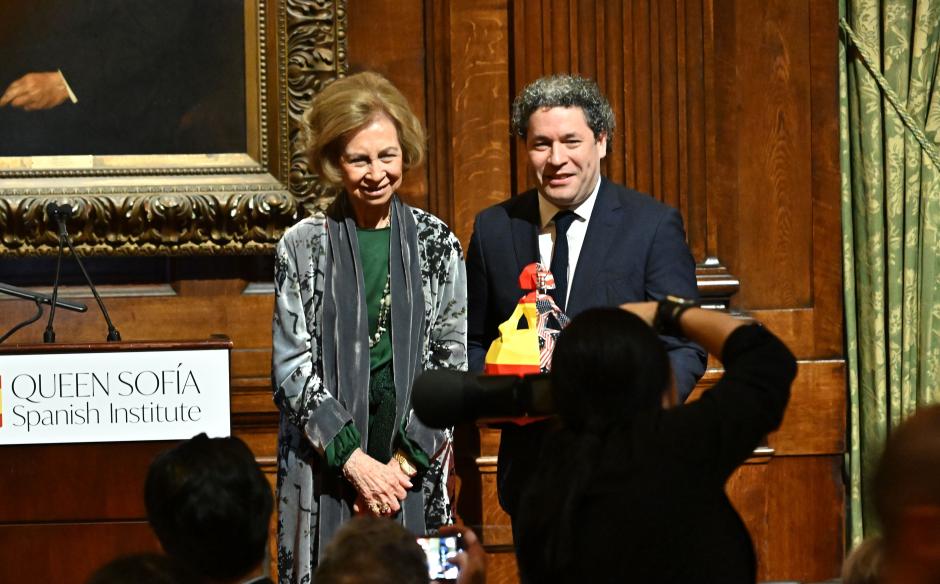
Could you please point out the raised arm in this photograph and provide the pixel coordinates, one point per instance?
(722, 428)
(708, 328)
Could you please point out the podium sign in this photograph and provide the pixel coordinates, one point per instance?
(91, 395)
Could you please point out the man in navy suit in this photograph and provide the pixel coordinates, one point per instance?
(605, 244)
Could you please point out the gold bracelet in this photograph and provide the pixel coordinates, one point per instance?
(405, 464)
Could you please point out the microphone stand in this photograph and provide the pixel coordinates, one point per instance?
(39, 299)
(113, 334)
(64, 212)
(48, 336)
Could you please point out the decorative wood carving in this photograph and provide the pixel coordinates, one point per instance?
(316, 54)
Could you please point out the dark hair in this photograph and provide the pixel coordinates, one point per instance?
(863, 564)
(563, 91)
(145, 568)
(909, 471)
(608, 365)
(209, 504)
(370, 550)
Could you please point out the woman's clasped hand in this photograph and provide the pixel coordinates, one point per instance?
(381, 487)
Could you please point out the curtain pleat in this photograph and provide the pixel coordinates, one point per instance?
(890, 216)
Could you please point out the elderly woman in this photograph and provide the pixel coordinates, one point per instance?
(627, 491)
(367, 296)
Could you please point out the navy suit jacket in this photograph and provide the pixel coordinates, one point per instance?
(634, 250)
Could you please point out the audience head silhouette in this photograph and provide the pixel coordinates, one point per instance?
(863, 564)
(142, 569)
(370, 550)
(907, 498)
(209, 504)
(607, 363)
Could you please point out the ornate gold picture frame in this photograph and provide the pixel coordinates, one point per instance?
(176, 204)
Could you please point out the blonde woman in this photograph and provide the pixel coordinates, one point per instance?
(367, 296)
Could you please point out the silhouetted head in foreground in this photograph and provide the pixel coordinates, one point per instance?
(907, 497)
(370, 550)
(607, 364)
(142, 569)
(209, 504)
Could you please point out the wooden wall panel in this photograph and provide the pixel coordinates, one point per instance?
(789, 495)
(652, 60)
(825, 176)
(726, 109)
(387, 36)
(773, 145)
(468, 60)
(68, 553)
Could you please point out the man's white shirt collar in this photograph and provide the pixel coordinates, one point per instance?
(547, 209)
(575, 236)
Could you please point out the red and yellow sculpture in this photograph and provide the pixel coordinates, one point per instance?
(520, 351)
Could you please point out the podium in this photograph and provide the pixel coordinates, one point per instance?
(68, 508)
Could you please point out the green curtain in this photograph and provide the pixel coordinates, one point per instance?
(889, 124)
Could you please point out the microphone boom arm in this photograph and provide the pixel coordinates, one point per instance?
(40, 298)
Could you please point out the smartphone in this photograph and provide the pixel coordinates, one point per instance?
(439, 551)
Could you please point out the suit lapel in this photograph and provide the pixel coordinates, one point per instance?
(601, 233)
(524, 222)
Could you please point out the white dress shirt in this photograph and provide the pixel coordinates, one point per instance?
(575, 234)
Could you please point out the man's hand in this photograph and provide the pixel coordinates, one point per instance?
(36, 91)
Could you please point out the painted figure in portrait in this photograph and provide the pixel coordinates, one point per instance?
(117, 77)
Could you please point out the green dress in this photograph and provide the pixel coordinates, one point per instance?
(374, 253)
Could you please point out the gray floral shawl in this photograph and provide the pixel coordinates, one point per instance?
(319, 349)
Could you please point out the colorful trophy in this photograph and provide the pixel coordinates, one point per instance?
(519, 351)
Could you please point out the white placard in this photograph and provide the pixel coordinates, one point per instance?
(113, 396)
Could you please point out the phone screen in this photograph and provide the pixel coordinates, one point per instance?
(439, 551)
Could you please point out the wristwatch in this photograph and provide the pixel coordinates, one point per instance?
(668, 311)
(405, 464)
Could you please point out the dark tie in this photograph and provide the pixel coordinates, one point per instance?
(559, 267)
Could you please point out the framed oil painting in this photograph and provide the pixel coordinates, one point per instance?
(169, 126)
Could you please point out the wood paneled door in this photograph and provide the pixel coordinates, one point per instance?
(726, 109)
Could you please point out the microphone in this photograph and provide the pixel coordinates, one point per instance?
(54, 211)
(444, 398)
(61, 213)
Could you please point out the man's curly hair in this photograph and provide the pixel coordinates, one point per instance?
(563, 91)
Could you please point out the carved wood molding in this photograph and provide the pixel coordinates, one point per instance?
(150, 220)
(316, 54)
(716, 285)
